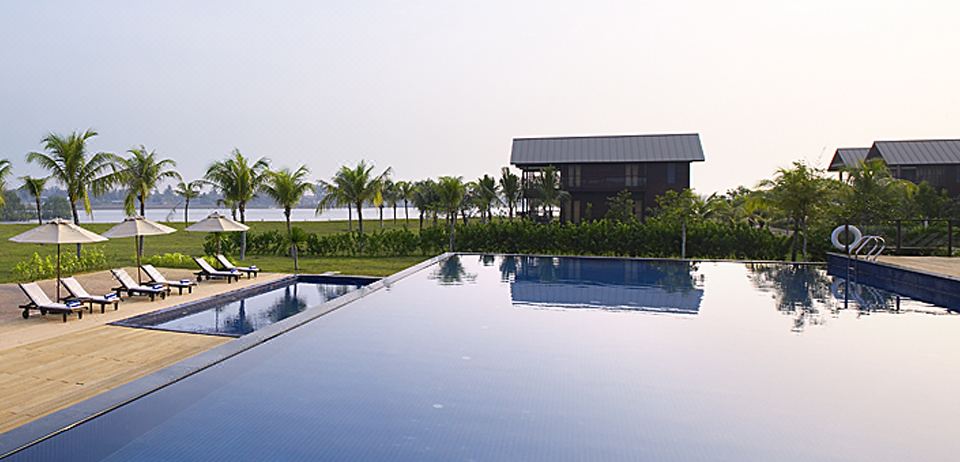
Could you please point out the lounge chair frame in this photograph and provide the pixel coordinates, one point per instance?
(228, 265)
(157, 277)
(45, 306)
(133, 290)
(209, 272)
(85, 297)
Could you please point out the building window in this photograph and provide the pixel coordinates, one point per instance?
(632, 175)
(909, 174)
(573, 176)
(671, 173)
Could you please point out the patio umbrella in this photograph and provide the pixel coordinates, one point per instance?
(137, 227)
(217, 223)
(58, 231)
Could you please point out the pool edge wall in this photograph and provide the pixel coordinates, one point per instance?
(932, 288)
(50, 425)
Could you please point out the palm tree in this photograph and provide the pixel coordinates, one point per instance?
(334, 197)
(405, 191)
(354, 186)
(546, 191)
(188, 191)
(796, 192)
(66, 159)
(424, 198)
(287, 188)
(388, 197)
(238, 179)
(5, 170)
(450, 192)
(141, 174)
(486, 196)
(34, 187)
(510, 189)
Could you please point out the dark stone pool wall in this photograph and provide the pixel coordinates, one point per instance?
(932, 288)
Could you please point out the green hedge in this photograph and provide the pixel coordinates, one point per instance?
(651, 239)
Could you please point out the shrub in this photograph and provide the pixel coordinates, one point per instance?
(37, 267)
(174, 260)
(604, 237)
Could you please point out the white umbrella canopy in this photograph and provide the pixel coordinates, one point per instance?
(58, 231)
(138, 227)
(217, 223)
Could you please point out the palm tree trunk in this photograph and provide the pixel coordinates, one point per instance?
(243, 234)
(804, 228)
(683, 239)
(394, 213)
(360, 223)
(453, 228)
(39, 212)
(421, 220)
(76, 221)
(406, 215)
(293, 245)
(360, 217)
(186, 212)
(143, 213)
(793, 242)
(350, 219)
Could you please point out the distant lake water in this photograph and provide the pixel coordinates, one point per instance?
(253, 215)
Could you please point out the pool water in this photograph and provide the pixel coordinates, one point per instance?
(521, 358)
(240, 317)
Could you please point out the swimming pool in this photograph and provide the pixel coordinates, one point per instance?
(248, 310)
(523, 358)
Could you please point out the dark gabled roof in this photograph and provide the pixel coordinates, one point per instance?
(847, 158)
(916, 152)
(624, 148)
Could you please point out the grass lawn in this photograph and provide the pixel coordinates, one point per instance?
(120, 252)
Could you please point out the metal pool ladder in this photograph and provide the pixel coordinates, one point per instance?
(869, 247)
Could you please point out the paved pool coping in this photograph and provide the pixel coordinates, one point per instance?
(144, 321)
(65, 419)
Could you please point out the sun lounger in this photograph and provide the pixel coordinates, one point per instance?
(208, 272)
(77, 292)
(158, 278)
(229, 266)
(40, 302)
(128, 285)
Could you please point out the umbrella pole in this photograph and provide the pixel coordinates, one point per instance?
(136, 240)
(58, 272)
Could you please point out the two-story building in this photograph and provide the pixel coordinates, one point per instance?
(594, 168)
(935, 161)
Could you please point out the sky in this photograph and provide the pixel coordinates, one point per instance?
(442, 87)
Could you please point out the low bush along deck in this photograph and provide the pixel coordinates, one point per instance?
(327, 246)
(704, 240)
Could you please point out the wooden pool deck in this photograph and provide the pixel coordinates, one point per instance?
(47, 365)
(943, 266)
(934, 280)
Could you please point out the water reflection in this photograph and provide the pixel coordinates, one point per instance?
(452, 272)
(549, 282)
(810, 296)
(247, 315)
